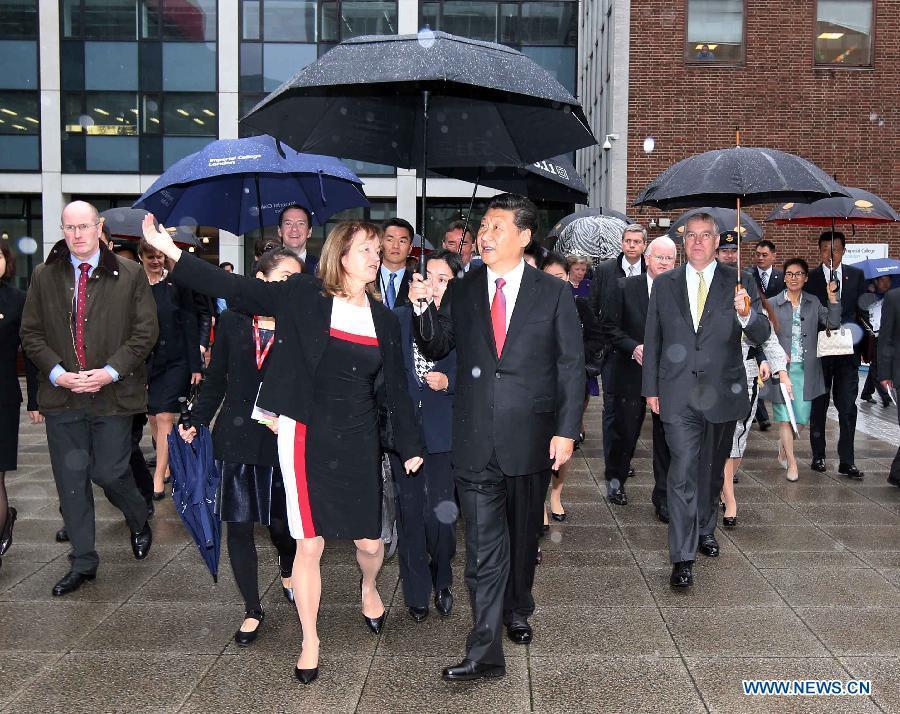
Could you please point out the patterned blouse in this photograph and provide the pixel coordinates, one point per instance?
(796, 336)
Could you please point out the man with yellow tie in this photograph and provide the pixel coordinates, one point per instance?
(694, 379)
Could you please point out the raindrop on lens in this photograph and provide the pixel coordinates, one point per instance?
(873, 116)
(239, 421)
(444, 129)
(27, 245)
(343, 111)
(446, 512)
(556, 537)
(649, 145)
(476, 372)
(676, 353)
(84, 121)
(426, 37)
(736, 388)
(856, 331)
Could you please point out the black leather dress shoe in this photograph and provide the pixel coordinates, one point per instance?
(141, 542)
(159, 495)
(765, 425)
(519, 632)
(306, 676)
(243, 639)
(868, 398)
(682, 575)
(417, 613)
(6, 536)
(662, 515)
(617, 496)
(709, 546)
(631, 472)
(893, 481)
(818, 465)
(62, 536)
(468, 670)
(71, 581)
(850, 471)
(443, 601)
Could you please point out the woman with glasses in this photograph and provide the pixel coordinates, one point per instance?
(799, 317)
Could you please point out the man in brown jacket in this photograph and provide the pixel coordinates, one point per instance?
(88, 325)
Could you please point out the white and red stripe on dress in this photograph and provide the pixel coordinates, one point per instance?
(352, 324)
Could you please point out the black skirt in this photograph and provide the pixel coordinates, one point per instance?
(250, 494)
(9, 436)
(165, 385)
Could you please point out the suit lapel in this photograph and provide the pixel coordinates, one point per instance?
(716, 293)
(681, 295)
(478, 298)
(524, 302)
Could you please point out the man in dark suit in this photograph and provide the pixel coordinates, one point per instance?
(459, 239)
(517, 412)
(624, 322)
(393, 276)
(294, 229)
(606, 276)
(889, 359)
(769, 279)
(841, 372)
(694, 379)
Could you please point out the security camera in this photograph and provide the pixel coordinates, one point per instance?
(607, 143)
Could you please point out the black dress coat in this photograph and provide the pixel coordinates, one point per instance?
(12, 301)
(605, 277)
(776, 282)
(853, 285)
(303, 321)
(232, 381)
(624, 323)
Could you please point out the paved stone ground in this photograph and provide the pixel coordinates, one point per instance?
(808, 586)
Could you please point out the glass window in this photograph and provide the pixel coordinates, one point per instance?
(19, 153)
(541, 23)
(109, 19)
(189, 20)
(289, 20)
(19, 61)
(329, 30)
(429, 14)
(476, 20)
(281, 61)
(20, 217)
(190, 114)
(111, 65)
(844, 33)
(715, 32)
(189, 66)
(251, 67)
(151, 122)
(371, 17)
(177, 147)
(71, 18)
(19, 113)
(18, 18)
(560, 61)
(250, 20)
(111, 153)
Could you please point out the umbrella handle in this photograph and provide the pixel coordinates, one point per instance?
(745, 310)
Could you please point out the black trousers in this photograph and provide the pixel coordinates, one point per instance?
(762, 413)
(85, 449)
(143, 479)
(841, 383)
(872, 385)
(426, 527)
(696, 472)
(624, 432)
(502, 517)
(661, 459)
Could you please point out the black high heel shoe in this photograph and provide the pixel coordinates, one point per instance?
(373, 623)
(729, 521)
(306, 676)
(243, 639)
(159, 495)
(558, 517)
(6, 538)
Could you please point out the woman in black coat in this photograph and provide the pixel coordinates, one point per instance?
(12, 300)
(334, 344)
(246, 452)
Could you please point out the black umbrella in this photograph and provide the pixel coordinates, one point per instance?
(126, 223)
(561, 225)
(858, 208)
(430, 99)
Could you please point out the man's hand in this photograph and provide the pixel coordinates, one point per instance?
(69, 380)
(438, 381)
(413, 464)
(638, 355)
(832, 291)
(195, 378)
(742, 302)
(93, 381)
(273, 426)
(160, 239)
(37, 417)
(420, 289)
(653, 403)
(187, 434)
(561, 449)
(765, 371)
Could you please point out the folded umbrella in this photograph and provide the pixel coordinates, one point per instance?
(126, 224)
(195, 487)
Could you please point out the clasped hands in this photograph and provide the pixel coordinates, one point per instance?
(88, 382)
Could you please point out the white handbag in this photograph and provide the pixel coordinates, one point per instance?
(832, 343)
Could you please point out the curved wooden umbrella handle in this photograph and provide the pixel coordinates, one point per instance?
(743, 312)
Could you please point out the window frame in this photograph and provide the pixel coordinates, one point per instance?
(37, 92)
(836, 65)
(693, 62)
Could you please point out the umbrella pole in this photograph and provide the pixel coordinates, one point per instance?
(424, 181)
(469, 214)
(259, 206)
(746, 309)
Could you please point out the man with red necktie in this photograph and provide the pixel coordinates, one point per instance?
(88, 325)
(517, 413)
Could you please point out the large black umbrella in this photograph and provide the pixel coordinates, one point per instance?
(430, 99)
(858, 208)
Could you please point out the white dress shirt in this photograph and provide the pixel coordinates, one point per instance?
(627, 267)
(649, 284)
(693, 280)
(511, 290)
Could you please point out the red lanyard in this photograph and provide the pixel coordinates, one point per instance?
(261, 353)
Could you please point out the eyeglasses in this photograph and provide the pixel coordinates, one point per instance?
(793, 274)
(287, 225)
(663, 258)
(80, 227)
(706, 235)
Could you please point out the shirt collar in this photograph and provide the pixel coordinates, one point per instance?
(513, 276)
(386, 273)
(708, 271)
(93, 261)
(626, 265)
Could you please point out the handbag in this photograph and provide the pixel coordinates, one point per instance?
(832, 343)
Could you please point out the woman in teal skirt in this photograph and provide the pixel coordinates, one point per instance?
(799, 318)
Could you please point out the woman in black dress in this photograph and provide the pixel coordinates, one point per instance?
(174, 364)
(246, 451)
(337, 361)
(12, 300)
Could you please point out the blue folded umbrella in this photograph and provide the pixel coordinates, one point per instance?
(195, 488)
(243, 184)
(876, 267)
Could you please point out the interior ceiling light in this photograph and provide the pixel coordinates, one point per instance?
(101, 111)
(199, 121)
(134, 111)
(831, 35)
(32, 120)
(8, 111)
(154, 120)
(19, 126)
(209, 113)
(182, 112)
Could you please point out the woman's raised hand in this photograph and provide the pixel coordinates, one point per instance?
(159, 238)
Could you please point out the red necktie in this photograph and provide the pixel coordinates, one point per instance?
(80, 307)
(498, 316)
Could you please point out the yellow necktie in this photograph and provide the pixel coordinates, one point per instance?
(701, 297)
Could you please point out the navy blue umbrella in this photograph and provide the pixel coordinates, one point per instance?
(243, 184)
(195, 487)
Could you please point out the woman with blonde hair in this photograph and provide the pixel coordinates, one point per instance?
(337, 359)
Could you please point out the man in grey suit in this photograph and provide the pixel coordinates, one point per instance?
(694, 379)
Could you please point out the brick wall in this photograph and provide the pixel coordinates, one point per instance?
(778, 99)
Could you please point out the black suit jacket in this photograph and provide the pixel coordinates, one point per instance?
(853, 285)
(232, 382)
(702, 368)
(624, 322)
(889, 338)
(12, 301)
(311, 264)
(303, 321)
(434, 410)
(511, 405)
(605, 280)
(776, 282)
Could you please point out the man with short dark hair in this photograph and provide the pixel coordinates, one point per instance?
(294, 229)
(90, 348)
(463, 244)
(769, 278)
(393, 276)
(841, 372)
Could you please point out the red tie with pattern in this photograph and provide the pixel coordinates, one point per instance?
(498, 316)
(80, 307)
